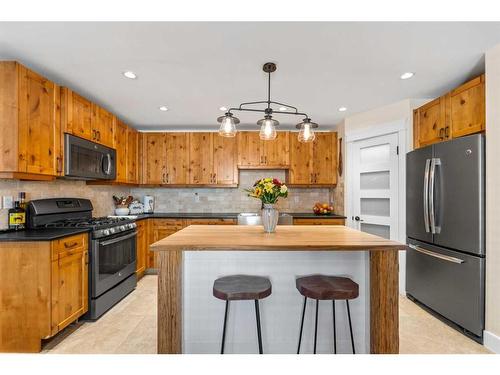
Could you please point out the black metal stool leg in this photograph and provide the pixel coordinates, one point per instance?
(316, 326)
(334, 330)
(224, 329)
(257, 315)
(302, 324)
(350, 326)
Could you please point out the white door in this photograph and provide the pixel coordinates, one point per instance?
(375, 186)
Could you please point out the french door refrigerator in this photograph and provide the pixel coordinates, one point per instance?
(445, 229)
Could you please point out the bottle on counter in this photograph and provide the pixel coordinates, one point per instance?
(22, 200)
(17, 217)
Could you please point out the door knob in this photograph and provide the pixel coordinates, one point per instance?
(357, 218)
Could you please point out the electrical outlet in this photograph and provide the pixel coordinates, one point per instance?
(8, 202)
(196, 198)
(296, 199)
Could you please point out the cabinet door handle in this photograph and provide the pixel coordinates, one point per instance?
(215, 178)
(99, 135)
(86, 257)
(447, 131)
(441, 133)
(59, 164)
(93, 134)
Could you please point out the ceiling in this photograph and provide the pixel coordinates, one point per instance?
(195, 68)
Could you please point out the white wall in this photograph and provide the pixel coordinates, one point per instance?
(492, 334)
(373, 123)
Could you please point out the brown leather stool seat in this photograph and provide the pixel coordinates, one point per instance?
(327, 287)
(240, 288)
(331, 288)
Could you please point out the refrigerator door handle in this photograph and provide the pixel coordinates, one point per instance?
(436, 255)
(426, 195)
(432, 216)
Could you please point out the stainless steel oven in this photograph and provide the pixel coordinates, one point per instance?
(84, 159)
(112, 270)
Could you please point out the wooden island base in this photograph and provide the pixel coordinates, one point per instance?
(384, 316)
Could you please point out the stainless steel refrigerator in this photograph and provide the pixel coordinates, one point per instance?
(445, 229)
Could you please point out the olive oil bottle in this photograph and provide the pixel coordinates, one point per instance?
(17, 217)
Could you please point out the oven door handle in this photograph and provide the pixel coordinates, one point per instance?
(115, 240)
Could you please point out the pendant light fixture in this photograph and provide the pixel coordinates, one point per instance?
(228, 125)
(306, 132)
(267, 124)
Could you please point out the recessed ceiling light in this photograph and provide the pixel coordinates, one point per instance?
(282, 109)
(163, 108)
(130, 75)
(342, 109)
(223, 108)
(407, 75)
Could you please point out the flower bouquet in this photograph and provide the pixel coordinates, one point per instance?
(268, 190)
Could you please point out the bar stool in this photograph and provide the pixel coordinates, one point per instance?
(321, 287)
(239, 288)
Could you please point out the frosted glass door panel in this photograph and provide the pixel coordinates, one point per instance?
(375, 180)
(376, 206)
(378, 230)
(375, 154)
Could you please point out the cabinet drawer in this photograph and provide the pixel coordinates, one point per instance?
(69, 245)
(325, 221)
(210, 222)
(174, 224)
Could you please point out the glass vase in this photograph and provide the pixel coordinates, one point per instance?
(269, 215)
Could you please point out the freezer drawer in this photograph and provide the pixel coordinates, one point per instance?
(448, 282)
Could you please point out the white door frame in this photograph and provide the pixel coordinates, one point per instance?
(404, 130)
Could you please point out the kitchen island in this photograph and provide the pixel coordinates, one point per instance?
(380, 274)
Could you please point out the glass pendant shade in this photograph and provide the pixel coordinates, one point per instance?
(306, 132)
(267, 128)
(228, 125)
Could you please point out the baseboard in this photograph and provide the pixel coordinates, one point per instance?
(492, 342)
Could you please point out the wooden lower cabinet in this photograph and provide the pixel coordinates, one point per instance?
(44, 288)
(156, 229)
(318, 221)
(142, 248)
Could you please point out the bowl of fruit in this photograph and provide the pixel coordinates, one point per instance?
(322, 209)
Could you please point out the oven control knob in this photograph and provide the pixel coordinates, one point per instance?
(106, 232)
(112, 230)
(122, 227)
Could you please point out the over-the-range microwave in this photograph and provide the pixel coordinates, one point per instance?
(88, 160)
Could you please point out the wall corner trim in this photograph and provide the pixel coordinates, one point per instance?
(492, 342)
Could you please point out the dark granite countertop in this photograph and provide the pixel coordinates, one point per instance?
(39, 234)
(231, 215)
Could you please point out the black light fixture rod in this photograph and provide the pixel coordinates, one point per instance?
(265, 111)
(269, 90)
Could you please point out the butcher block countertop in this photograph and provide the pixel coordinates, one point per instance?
(286, 237)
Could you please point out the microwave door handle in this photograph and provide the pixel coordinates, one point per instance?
(434, 228)
(426, 195)
(106, 170)
(115, 240)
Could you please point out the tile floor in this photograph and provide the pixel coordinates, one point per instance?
(130, 327)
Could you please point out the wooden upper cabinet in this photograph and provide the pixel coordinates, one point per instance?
(467, 108)
(103, 126)
(132, 155)
(177, 158)
(30, 133)
(301, 162)
(256, 153)
(201, 159)
(249, 153)
(224, 159)
(76, 114)
(314, 163)
(430, 124)
(276, 153)
(458, 113)
(324, 152)
(121, 151)
(154, 156)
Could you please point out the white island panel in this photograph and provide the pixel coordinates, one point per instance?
(203, 314)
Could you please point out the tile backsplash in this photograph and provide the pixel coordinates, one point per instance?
(174, 199)
(101, 196)
(232, 199)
